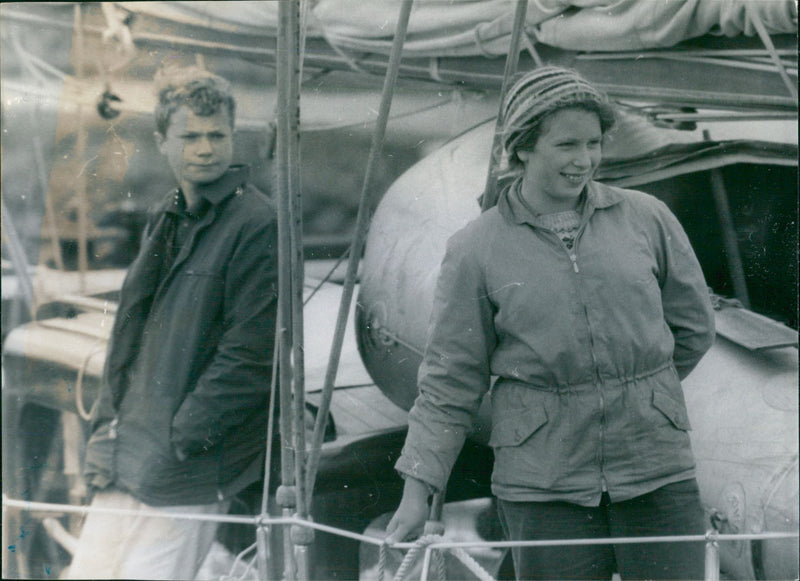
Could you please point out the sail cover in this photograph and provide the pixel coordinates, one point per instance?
(483, 27)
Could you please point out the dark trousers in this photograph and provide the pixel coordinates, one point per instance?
(673, 509)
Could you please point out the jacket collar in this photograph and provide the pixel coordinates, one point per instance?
(596, 196)
(214, 192)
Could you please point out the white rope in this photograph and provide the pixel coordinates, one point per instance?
(413, 552)
(471, 564)
(383, 550)
(531, 48)
(434, 542)
(240, 557)
(259, 520)
(438, 556)
(348, 60)
(97, 348)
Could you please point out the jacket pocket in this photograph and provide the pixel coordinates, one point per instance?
(673, 410)
(527, 448)
(513, 429)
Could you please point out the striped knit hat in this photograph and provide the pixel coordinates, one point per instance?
(543, 91)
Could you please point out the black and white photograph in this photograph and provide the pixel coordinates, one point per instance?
(400, 290)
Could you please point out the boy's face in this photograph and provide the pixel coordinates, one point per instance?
(199, 149)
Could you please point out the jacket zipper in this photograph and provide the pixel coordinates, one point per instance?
(574, 260)
(573, 257)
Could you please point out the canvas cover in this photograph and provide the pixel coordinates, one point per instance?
(483, 27)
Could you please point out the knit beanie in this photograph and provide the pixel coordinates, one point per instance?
(539, 93)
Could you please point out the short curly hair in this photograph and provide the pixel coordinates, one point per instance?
(204, 93)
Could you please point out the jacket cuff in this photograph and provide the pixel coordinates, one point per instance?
(407, 468)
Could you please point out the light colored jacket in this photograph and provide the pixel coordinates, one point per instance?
(587, 347)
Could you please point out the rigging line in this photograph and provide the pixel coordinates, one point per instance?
(791, 65)
(262, 533)
(609, 540)
(304, 12)
(489, 196)
(348, 59)
(239, 558)
(32, 61)
(531, 47)
(32, 506)
(328, 276)
(764, 35)
(248, 568)
(730, 116)
(271, 420)
(726, 63)
(659, 53)
(98, 347)
(398, 116)
(81, 141)
(359, 237)
(28, 60)
(18, 259)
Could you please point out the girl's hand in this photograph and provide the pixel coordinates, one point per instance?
(412, 513)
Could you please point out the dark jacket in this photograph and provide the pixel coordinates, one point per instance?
(181, 417)
(587, 346)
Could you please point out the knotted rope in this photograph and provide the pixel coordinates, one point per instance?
(437, 557)
(413, 552)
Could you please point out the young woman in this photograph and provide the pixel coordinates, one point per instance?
(588, 306)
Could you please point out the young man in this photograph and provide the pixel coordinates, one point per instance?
(180, 422)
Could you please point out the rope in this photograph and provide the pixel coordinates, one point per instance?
(328, 276)
(240, 559)
(18, 259)
(382, 561)
(258, 520)
(455, 548)
(433, 67)
(79, 380)
(351, 62)
(438, 557)
(471, 564)
(531, 48)
(477, 37)
(412, 554)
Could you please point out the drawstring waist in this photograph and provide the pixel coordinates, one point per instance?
(588, 386)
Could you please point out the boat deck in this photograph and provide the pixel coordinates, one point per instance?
(362, 409)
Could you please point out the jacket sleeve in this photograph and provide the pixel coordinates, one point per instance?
(236, 382)
(684, 295)
(454, 374)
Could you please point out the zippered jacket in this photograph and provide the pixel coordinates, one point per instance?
(181, 417)
(584, 349)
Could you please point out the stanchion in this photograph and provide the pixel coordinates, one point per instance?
(302, 539)
(285, 496)
(712, 556)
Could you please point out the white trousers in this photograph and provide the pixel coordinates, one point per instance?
(115, 546)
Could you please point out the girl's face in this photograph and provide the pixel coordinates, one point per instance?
(562, 161)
